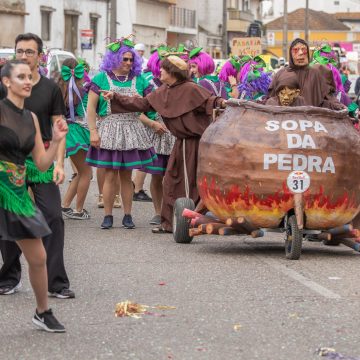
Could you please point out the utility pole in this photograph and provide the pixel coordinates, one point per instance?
(113, 12)
(285, 30)
(307, 21)
(224, 32)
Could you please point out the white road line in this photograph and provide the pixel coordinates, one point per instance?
(298, 277)
(303, 280)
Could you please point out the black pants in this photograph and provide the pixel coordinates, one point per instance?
(47, 199)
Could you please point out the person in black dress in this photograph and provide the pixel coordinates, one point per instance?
(47, 104)
(20, 220)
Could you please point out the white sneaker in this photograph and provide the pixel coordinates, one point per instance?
(8, 290)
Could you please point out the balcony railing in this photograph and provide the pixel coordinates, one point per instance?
(170, 2)
(240, 15)
(181, 17)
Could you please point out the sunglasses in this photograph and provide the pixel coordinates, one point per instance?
(125, 59)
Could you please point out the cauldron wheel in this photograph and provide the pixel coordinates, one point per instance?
(181, 225)
(293, 240)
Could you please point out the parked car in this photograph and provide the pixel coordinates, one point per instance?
(55, 60)
(6, 53)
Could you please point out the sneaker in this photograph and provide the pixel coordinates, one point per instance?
(82, 215)
(117, 202)
(63, 294)
(142, 196)
(48, 322)
(67, 212)
(156, 220)
(10, 289)
(107, 222)
(100, 201)
(127, 222)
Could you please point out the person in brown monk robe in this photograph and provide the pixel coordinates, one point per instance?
(330, 101)
(186, 109)
(287, 92)
(313, 86)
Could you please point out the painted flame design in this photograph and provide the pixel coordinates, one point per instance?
(321, 210)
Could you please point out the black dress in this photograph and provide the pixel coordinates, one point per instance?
(17, 139)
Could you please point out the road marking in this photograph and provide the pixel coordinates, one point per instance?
(304, 280)
(323, 291)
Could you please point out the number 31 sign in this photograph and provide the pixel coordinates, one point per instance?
(298, 181)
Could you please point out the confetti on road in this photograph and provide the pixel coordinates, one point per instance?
(331, 353)
(135, 310)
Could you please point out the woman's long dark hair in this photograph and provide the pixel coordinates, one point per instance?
(64, 85)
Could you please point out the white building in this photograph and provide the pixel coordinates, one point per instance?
(60, 24)
(210, 26)
(272, 9)
(148, 20)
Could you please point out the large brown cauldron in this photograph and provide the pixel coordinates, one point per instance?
(246, 156)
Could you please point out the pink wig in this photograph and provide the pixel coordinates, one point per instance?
(226, 71)
(153, 64)
(204, 62)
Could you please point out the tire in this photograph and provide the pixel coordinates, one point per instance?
(293, 240)
(181, 225)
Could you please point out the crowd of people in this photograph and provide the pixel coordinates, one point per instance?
(135, 117)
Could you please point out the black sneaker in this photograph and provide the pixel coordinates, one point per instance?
(127, 222)
(10, 289)
(63, 294)
(82, 215)
(141, 196)
(107, 222)
(48, 322)
(67, 211)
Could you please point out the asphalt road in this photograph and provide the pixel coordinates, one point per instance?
(234, 298)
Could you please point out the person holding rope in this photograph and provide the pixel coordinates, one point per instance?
(186, 110)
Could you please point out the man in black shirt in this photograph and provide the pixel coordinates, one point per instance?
(47, 103)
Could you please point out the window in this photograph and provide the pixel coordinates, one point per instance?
(46, 13)
(233, 4)
(94, 25)
(71, 30)
(245, 5)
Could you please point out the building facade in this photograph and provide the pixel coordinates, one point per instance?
(12, 20)
(62, 24)
(272, 9)
(210, 27)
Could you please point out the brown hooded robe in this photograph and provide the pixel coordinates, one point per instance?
(312, 84)
(290, 80)
(186, 109)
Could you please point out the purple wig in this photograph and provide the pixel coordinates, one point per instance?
(337, 78)
(245, 71)
(226, 71)
(259, 85)
(204, 62)
(112, 60)
(153, 64)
